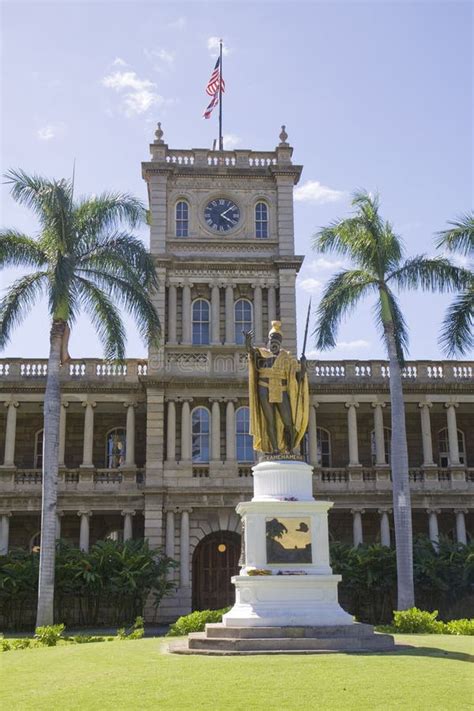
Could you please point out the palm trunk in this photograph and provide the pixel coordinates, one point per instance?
(52, 408)
(400, 480)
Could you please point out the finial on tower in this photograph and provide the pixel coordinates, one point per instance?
(159, 134)
(283, 136)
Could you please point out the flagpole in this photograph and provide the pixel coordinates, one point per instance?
(221, 140)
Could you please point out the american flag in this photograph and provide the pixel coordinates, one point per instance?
(213, 83)
(211, 106)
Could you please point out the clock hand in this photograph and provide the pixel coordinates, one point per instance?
(225, 211)
(226, 218)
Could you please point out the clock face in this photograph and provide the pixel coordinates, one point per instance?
(221, 214)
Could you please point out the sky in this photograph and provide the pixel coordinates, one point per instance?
(374, 95)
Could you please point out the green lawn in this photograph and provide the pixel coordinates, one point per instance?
(136, 675)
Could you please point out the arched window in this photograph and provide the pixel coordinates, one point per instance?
(200, 322)
(182, 219)
(323, 441)
(261, 220)
(35, 543)
(443, 448)
(387, 439)
(115, 448)
(243, 438)
(200, 435)
(38, 460)
(242, 319)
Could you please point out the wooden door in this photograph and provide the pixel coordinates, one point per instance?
(215, 561)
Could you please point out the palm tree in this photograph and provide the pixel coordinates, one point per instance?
(379, 265)
(83, 259)
(456, 335)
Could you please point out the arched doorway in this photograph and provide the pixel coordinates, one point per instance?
(215, 561)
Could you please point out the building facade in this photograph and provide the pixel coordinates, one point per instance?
(160, 448)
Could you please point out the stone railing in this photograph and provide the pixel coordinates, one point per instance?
(84, 369)
(202, 157)
(72, 479)
(371, 478)
(378, 370)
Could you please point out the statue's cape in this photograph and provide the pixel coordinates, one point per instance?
(297, 391)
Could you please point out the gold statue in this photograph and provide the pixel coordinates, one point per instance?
(278, 395)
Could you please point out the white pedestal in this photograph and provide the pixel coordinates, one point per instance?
(301, 589)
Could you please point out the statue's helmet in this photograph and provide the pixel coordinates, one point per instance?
(275, 331)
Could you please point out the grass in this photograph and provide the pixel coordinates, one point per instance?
(434, 674)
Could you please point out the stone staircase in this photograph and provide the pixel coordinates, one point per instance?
(221, 640)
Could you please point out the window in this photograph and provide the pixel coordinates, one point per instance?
(182, 219)
(200, 435)
(200, 322)
(387, 438)
(323, 441)
(443, 446)
(38, 461)
(242, 319)
(115, 448)
(243, 440)
(261, 220)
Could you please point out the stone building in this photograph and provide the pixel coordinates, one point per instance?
(160, 447)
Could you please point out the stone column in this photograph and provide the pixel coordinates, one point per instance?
(426, 434)
(169, 541)
(84, 530)
(384, 527)
(4, 531)
(10, 434)
(271, 305)
(229, 315)
(186, 316)
(433, 526)
(59, 515)
(130, 435)
(186, 431)
(358, 535)
(452, 434)
(352, 434)
(312, 436)
(128, 524)
(88, 445)
(184, 579)
(215, 429)
(257, 313)
(215, 315)
(461, 526)
(62, 433)
(171, 432)
(379, 434)
(172, 313)
(230, 449)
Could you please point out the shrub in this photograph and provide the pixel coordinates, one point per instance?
(417, 622)
(195, 622)
(22, 643)
(49, 635)
(5, 645)
(85, 639)
(136, 631)
(460, 627)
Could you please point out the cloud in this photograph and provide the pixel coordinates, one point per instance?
(323, 264)
(358, 344)
(159, 58)
(178, 24)
(138, 95)
(231, 141)
(119, 62)
(313, 191)
(310, 285)
(50, 131)
(213, 44)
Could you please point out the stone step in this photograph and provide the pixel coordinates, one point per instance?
(378, 642)
(218, 630)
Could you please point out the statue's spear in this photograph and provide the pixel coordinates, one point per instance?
(302, 355)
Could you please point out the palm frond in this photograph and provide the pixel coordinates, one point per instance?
(400, 330)
(431, 274)
(17, 249)
(105, 319)
(134, 298)
(457, 330)
(17, 302)
(340, 296)
(460, 236)
(108, 211)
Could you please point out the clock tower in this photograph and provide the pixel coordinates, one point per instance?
(221, 233)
